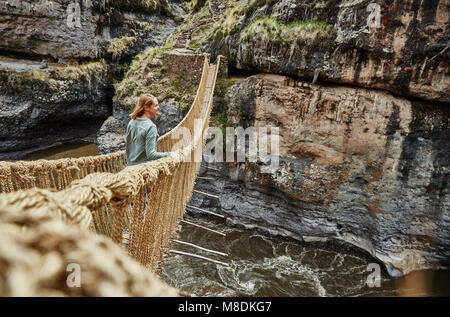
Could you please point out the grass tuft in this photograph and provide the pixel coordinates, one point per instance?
(149, 74)
(268, 29)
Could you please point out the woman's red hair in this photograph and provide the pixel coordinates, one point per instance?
(144, 100)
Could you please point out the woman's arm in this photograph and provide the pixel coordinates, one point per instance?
(150, 145)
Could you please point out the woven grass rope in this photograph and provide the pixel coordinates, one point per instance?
(102, 195)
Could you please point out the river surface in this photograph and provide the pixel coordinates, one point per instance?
(266, 266)
(75, 149)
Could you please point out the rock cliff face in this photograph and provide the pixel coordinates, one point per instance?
(68, 29)
(401, 46)
(42, 107)
(69, 94)
(357, 165)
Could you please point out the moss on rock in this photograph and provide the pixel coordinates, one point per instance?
(148, 6)
(52, 79)
(118, 46)
(195, 28)
(222, 85)
(149, 74)
(268, 29)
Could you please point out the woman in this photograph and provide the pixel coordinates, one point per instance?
(142, 133)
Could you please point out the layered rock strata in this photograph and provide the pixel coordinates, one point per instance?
(358, 165)
(401, 46)
(40, 107)
(49, 93)
(73, 30)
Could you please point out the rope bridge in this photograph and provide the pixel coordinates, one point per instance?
(102, 194)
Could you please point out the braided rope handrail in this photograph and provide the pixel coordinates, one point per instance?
(59, 173)
(55, 174)
(113, 203)
(38, 261)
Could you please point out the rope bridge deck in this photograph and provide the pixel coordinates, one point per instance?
(102, 194)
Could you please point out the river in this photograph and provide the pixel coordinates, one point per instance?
(268, 266)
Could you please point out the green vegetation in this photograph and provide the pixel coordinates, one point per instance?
(200, 20)
(200, 28)
(268, 29)
(19, 81)
(220, 120)
(222, 85)
(169, 42)
(148, 6)
(118, 46)
(164, 68)
(51, 80)
(271, 2)
(198, 4)
(144, 26)
(229, 24)
(83, 73)
(137, 30)
(256, 4)
(116, 72)
(198, 37)
(149, 74)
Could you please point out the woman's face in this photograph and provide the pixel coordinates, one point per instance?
(153, 110)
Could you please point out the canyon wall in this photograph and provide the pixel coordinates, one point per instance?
(359, 90)
(83, 29)
(59, 60)
(39, 107)
(401, 46)
(358, 165)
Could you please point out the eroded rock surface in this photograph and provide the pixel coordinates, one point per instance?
(68, 30)
(41, 104)
(401, 46)
(41, 107)
(358, 165)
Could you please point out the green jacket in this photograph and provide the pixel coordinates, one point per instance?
(142, 136)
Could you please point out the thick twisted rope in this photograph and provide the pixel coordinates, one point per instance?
(112, 204)
(39, 256)
(55, 174)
